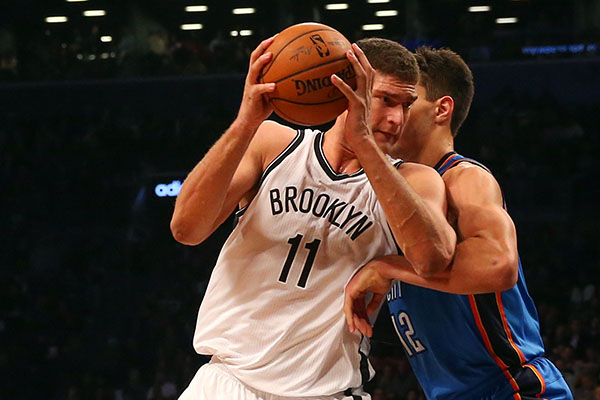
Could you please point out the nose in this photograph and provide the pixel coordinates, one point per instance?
(397, 116)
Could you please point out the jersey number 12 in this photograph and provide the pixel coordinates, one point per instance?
(310, 259)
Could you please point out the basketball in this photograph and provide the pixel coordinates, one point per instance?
(304, 58)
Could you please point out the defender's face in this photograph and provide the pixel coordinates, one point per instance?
(418, 126)
(392, 100)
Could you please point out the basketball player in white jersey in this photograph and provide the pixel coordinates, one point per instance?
(314, 208)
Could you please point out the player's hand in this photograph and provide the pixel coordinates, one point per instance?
(255, 107)
(367, 280)
(358, 119)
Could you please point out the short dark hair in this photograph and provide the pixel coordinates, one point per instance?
(390, 58)
(445, 73)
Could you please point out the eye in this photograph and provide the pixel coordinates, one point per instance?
(384, 99)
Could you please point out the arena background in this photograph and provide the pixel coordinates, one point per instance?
(102, 115)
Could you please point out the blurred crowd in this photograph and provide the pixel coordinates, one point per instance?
(97, 301)
(150, 44)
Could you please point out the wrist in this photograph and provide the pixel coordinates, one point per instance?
(390, 267)
(362, 140)
(245, 127)
(379, 269)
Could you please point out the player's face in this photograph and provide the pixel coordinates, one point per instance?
(417, 127)
(392, 100)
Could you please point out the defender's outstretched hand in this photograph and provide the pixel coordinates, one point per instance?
(358, 120)
(255, 107)
(367, 280)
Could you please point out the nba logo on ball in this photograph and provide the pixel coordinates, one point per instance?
(304, 58)
(320, 45)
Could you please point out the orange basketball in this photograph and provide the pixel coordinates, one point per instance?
(304, 58)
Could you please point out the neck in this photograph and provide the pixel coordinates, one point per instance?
(338, 152)
(434, 146)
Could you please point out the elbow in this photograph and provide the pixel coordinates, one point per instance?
(428, 263)
(508, 273)
(183, 233)
(432, 256)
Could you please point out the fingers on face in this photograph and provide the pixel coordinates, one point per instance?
(364, 61)
(364, 72)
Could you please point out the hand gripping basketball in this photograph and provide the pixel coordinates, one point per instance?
(358, 120)
(255, 107)
(304, 57)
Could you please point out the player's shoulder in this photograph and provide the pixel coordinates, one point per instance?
(468, 173)
(271, 139)
(411, 170)
(472, 183)
(275, 133)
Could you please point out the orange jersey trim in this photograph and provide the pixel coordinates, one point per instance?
(488, 346)
(507, 329)
(540, 378)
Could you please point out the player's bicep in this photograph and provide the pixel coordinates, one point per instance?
(478, 201)
(270, 140)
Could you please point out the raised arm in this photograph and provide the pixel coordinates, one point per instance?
(412, 197)
(232, 167)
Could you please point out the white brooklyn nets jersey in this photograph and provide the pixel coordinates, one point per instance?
(272, 312)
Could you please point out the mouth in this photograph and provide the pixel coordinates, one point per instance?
(388, 136)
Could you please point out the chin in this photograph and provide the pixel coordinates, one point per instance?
(385, 147)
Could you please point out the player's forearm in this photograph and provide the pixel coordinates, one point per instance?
(424, 236)
(202, 195)
(483, 265)
(474, 270)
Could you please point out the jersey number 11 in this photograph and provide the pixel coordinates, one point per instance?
(310, 259)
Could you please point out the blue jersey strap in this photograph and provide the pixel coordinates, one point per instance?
(452, 159)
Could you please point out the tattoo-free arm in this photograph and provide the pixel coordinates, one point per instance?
(486, 258)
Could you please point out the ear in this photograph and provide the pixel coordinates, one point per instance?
(444, 109)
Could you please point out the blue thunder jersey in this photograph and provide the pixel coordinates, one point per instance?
(485, 346)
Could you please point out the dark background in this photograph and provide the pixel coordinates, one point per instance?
(97, 301)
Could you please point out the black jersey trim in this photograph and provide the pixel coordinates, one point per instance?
(493, 321)
(365, 374)
(469, 160)
(318, 145)
(288, 150)
(238, 214)
(443, 160)
(530, 381)
(349, 393)
(364, 368)
(496, 335)
(241, 211)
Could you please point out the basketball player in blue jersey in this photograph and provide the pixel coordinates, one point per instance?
(471, 331)
(314, 208)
